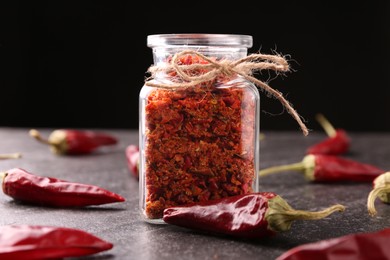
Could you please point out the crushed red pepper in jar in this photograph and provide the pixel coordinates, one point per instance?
(195, 146)
(198, 142)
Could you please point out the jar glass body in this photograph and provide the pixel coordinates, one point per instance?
(201, 142)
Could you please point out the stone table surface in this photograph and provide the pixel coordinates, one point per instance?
(121, 223)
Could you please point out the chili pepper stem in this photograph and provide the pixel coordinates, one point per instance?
(34, 133)
(280, 214)
(306, 166)
(326, 125)
(288, 167)
(10, 156)
(372, 197)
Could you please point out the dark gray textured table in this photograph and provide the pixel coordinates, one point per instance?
(120, 223)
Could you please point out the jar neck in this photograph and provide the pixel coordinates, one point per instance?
(162, 54)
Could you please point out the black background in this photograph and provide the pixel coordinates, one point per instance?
(83, 63)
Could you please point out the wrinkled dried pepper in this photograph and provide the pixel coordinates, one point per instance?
(200, 143)
(358, 246)
(329, 168)
(381, 190)
(75, 142)
(47, 191)
(255, 215)
(337, 143)
(47, 242)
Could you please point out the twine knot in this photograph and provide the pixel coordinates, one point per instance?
(225, 68)
(190, 75)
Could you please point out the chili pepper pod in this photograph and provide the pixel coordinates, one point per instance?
(69, 141)
(359, 246)
(337, 143)
(254, 215)
(132, 158)
(47, 242)
(5, 156)
(329, 168)
(46, 191)
(381, 190)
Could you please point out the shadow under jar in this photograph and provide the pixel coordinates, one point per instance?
(198, 142)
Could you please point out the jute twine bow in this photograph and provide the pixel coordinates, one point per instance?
(243, 67)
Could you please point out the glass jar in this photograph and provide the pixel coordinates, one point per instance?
(201, 142)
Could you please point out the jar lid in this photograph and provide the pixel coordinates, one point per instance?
(199, 39)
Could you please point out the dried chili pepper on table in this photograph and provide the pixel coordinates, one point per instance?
(71, 141)
(255, 215)
(48, 242)
(329, 168)
(381, 190)
(132, 158)
(47, 191)
(358, 246)
(337, 143)
(10, 156)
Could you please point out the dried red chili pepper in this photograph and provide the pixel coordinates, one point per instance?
(10, 156)
(132, 157)
(329, 168)
(337, 143)
(69, 141)
(381, 190)
(46, 191)
(254, 215)
(47, 242)
(359, 246)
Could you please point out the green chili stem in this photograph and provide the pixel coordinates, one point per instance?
(34, 133)
(3, 175)
(372, 197)
(280, 214)
(313, 215)
(329, 129)
(10, 156)
(300, 166)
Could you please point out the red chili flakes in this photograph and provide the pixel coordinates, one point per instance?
(199, 144)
